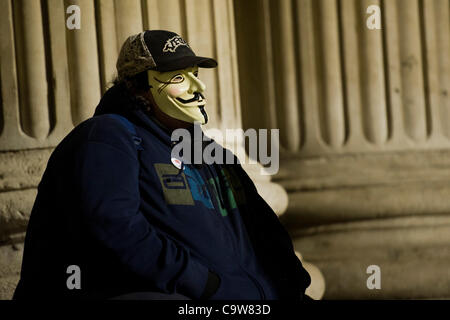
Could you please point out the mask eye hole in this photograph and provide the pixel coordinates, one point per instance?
(177, 78)
(196, 74)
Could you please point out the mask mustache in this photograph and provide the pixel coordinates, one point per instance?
(197, 96)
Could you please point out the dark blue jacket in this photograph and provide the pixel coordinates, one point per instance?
(112, 203)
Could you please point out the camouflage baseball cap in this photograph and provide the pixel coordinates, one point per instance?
(157, 50)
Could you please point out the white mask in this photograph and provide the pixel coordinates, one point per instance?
(179, 94)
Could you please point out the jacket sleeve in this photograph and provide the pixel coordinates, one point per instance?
(271, 242)
(108, 184)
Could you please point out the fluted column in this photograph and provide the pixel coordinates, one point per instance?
(286, 88)
(436, 26)
(331, 99)
(109, 45)
(128, 18)
(83, 63)
(203, 40)
(393, 71)
(10, 122)
(373, 109)
(358, 117)
(268, 87)
(372, 78)
(60, 85)
(31, 68)
(411, 73)
(165, 15)
(35, 96)
(227, 79)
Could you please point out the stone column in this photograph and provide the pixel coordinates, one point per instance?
(167, 15)
(34, 113)
(372, 79)
(286, 89)
(368, 184)
(83, 63)
(128, 19)
(331, 103)
(437, 20)
(31, 68)
(267, 81)
(109, 44)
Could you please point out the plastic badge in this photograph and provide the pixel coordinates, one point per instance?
(177, 163)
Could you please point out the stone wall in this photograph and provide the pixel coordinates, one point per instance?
(365, 135)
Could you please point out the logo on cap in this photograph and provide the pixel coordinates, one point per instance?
(173, 43)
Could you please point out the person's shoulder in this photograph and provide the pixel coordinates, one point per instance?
(106, 129)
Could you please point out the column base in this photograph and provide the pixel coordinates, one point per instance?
(412, 253)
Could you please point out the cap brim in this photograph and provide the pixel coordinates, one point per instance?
(186, 62)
